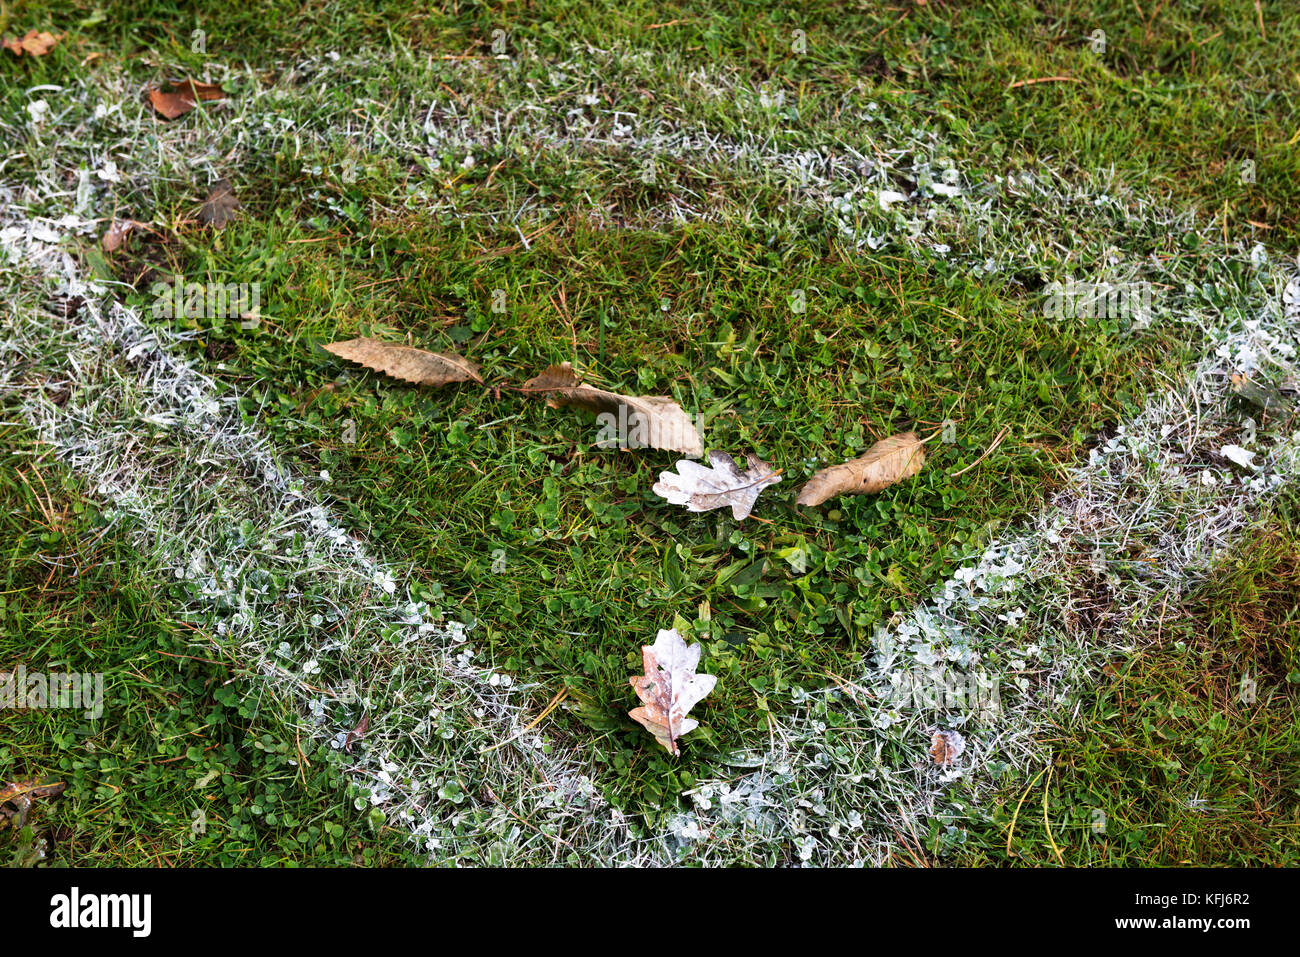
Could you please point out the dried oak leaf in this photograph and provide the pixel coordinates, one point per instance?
(219, 208)
(946, 747)
(183, 97)
(35, 43)
(886, 463)
(669, 688)
(409, 364)
(652, 420)
(701, 489)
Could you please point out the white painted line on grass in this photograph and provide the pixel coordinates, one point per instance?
(251, 546)
(247, 548)
(1011, 642)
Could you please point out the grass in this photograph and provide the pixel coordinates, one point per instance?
(1181, 94)
(1187, 751)
(186, 768)
(505, 508)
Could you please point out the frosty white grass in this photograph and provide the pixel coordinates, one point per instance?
(254, 557)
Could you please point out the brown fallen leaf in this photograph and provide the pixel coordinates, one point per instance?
(183, 97)
(409, 364)
(19, 795)
(115, 238)
(886, 463)
(653, 421)
(701, 489)
(29, 790)
(219, 208)
(35, 43)
(66, 306)
(358, 732)
(669, 688)
(946, 747)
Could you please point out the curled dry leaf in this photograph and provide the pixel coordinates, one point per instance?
(669, 688)
(946, 747)
(701, 489)
(35, 43)
(117, 233)
(655, 421)
(219, 208)
(19, 795)
(30, 790)
(358, 732)
(418, 366)
(886, 463)
(183, 97)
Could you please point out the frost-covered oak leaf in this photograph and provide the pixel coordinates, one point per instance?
(669, 688)
(946, 747)
(1239, 456)
(701, 489)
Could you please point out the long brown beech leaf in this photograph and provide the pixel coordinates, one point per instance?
(886, 463)
(407, 363)
(658, 420)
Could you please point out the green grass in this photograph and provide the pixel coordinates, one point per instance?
(380, 241)
(1177, 759)
(182, 735)
(588, 550)
(1180, 94)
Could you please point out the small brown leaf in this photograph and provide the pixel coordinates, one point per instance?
(35, 43)
(669, 688)
(67, 306)
(653, 421)
(19, 795)
(946, 747)
(219, 208)
(702, 489)
(417, 366)
(16, 791)
(115, 238)
(358, 732)
(554, 378)
(886, 463)
(183, 97)
(1265, 395)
